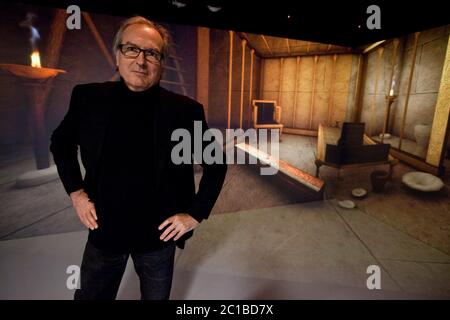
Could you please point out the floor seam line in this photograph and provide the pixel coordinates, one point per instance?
(402, 260)
(363, 209)
(33, 223)
(367, 248)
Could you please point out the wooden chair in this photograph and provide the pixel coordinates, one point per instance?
(267, 115)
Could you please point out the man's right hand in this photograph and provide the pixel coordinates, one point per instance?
(84, 208)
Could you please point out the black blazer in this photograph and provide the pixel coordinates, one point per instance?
(85, 124)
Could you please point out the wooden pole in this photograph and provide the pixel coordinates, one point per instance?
(374, 98)
(250, 94)
(98, 39)
(267, 45)
(408, 89)
(440, 128)
(333, 80)
(297, 63)
(243, 42)
(230, 78)
(360, 76)
(280, 87)
(288, 46)
(202, 68)
(55, 39)
(313, 92)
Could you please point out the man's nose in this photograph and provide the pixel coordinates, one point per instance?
(140, 59)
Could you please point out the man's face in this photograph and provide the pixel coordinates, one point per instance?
(138, 73)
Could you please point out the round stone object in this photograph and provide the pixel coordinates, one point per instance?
(422, 181)
(359, 192)
(347, 204)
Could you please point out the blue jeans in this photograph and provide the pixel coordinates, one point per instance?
(101, 273)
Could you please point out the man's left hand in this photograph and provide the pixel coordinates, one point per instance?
(179, 224)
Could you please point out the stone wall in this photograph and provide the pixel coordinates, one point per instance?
(425, 83)
(331, 89)
(219, 77)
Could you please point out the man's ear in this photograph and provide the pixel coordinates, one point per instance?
(117, 59)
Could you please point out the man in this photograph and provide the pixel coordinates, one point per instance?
(133, 198)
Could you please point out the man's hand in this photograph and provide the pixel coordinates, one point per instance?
(179, 225)
(84, 208)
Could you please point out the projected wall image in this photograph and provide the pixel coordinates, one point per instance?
(356, 140)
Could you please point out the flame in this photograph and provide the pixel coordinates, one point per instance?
(35, 59)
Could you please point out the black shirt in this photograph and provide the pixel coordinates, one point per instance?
(127, 217)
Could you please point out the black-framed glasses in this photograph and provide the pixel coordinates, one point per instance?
(131, 51)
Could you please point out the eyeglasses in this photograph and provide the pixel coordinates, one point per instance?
(131, 51)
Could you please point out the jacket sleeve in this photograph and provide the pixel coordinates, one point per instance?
(64, 145)
(213, 175)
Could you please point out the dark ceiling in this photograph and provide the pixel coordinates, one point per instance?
(334, 22)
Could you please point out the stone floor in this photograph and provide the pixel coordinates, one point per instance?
(312, 250)
(260, 241)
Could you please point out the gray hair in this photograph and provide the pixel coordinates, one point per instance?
(165, 35)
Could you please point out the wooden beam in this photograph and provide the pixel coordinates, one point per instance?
(357, 97)
(55, 39)
(250, 94)
(294, 173)
(310, 53)
(288, 46)
(245, 37)
(331, 97)
(313, 92)
(230, 78)
(202, 68)
(301, 132)
(98, 39)
(280, 87)
(267, 45)
(374, 98)
(241, 110)
(413, 161)
(408, 89)
(440, 128)
(373, 46)
(297, 63)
